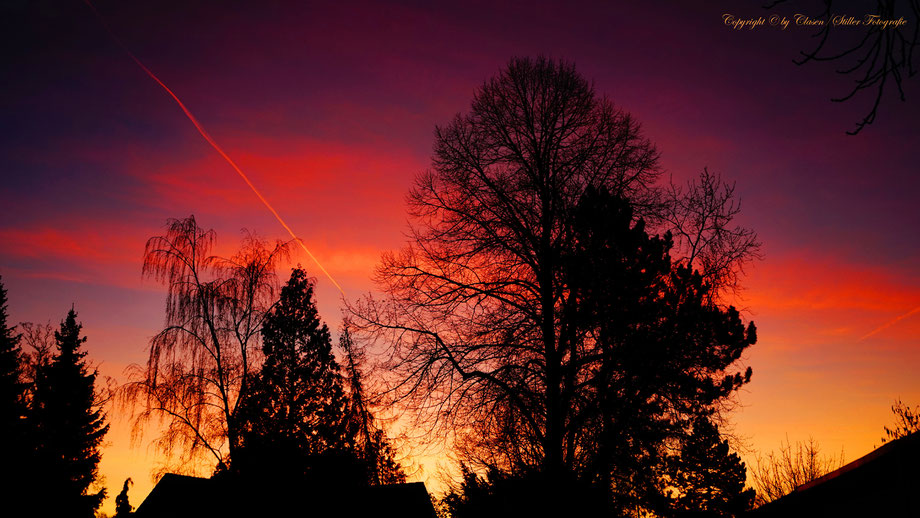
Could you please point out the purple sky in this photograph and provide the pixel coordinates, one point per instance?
(330, 110)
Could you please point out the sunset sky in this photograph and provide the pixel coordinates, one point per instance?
(330, 110)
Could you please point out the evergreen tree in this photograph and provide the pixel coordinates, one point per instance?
(12, 388)
(708, 477)
(69, 427)
(295, 416)
(16, 450)
(123, 507)
(664, 354)
(374, 449)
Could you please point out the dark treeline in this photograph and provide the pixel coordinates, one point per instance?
(52, 422)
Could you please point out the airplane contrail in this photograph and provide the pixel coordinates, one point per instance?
(213, 144)
(891, 323)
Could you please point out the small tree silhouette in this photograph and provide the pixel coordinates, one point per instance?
(907, 421)
(123, 507)
(707, 476)
(779, 473)
(377, 453)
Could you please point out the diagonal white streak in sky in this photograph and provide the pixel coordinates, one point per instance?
(891, 323)
(214, 145)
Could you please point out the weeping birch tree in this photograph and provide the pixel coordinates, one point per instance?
(201, 364)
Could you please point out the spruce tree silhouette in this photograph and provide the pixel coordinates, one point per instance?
(17, 447)
(295, 411)
(300, 423)
(69, 427)
(12, 388)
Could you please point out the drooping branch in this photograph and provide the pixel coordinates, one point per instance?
(883, 53)
(198, 366)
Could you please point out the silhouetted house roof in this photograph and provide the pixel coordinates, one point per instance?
(179, 496)
(885, 482)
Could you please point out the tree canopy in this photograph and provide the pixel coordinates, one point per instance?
(538, 318)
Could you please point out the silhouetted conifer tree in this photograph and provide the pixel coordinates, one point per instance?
(295, 414)
(12, 388)
(15, 454)
(377, 454)
(707, 476)
(299, 419)
(69, 427)
(123, 507)
(662, 351)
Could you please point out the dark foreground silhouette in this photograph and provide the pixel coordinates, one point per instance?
(179, 496)
(882, 483)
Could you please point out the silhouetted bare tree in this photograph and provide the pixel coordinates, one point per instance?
(779, 473)
(700, 217)
(907, 421)
(39, 340)
(200, 365)
(533, 318)
(377, 453)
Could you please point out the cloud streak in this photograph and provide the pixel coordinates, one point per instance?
(890, 323)
(216, 147)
